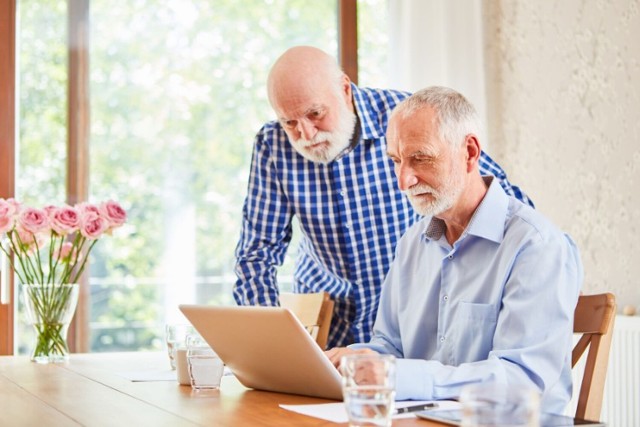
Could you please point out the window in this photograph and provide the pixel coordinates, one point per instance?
(176, 93)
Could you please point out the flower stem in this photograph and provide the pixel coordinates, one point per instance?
(50, 309)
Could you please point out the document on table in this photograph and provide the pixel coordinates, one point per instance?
(335, 412)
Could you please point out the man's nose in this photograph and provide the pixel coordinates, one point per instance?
(406, 176)
(307, 129)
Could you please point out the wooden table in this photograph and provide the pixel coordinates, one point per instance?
(88, 390)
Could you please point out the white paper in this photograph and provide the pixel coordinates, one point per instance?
(335, 412)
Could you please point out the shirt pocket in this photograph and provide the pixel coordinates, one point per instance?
(476, 325)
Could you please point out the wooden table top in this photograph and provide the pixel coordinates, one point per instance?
(89, 391)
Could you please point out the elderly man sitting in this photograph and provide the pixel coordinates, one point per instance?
(483, 288)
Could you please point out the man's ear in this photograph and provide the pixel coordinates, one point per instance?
(473, 150)
(346, 89)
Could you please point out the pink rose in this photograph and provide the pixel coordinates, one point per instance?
(26, 240)
(6, 224)
(33, 220)
(68, 253)
(64, 220)
(114, 213)
(16, 204)
(49, 210)
(85, 207)
(92, 225)
(7, 215)
(8, 207)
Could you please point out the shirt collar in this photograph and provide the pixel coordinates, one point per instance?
(369, 128)
(488, 220)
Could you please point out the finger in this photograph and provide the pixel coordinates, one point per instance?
(334, 355)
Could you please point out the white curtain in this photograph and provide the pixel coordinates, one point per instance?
(438, 42)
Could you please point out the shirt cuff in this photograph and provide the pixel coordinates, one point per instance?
(413, 381)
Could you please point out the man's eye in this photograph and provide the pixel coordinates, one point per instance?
(316, 114)
(289, 124)
(421, 160)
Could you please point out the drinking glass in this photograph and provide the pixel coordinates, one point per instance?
(205, 366)
(368, 388)
(175, 335)
(503, 405)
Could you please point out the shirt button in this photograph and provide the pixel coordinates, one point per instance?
(441, 339)
(342, 193)
(347, 225)
(450, 257)
(446, 297)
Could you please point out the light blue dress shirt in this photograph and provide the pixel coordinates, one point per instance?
(497, 306)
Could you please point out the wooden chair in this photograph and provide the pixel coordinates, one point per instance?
(313, 310)
(594, 318)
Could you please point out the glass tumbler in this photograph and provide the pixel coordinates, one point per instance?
(205, 366)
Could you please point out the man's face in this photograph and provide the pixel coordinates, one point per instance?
(319, 127)
(430, 172)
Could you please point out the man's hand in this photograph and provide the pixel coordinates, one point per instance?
(336, 353)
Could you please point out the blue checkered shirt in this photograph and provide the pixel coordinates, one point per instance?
(351, 214)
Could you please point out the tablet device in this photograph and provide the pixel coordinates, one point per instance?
(453, 417)
(267, 348)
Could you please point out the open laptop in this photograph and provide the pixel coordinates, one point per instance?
(267, 348)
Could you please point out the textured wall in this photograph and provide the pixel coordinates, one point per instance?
(563, 91)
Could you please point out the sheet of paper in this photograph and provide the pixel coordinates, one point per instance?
(335, 412)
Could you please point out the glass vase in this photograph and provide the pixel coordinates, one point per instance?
(49, 309)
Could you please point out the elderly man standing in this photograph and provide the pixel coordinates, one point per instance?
(324, 161)
(483, 288)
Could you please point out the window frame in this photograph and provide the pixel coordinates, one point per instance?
(7, 151)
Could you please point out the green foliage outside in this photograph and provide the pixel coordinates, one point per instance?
(177, 94)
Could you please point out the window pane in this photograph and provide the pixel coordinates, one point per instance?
(373, 41)
(42, 116)
(177, 95)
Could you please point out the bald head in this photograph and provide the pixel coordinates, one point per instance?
(312, 99)
(304, 72)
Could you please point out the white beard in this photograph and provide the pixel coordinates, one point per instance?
(331, 143)
(442, 199)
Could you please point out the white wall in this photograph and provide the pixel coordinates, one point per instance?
(559, 82)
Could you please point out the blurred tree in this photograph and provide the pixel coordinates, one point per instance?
(177, 95)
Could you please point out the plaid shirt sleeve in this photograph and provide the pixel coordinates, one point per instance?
(266, 230)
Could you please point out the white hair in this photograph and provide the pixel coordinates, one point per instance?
(455, 116)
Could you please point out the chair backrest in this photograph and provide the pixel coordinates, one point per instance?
(314, 311)
(593, 319)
